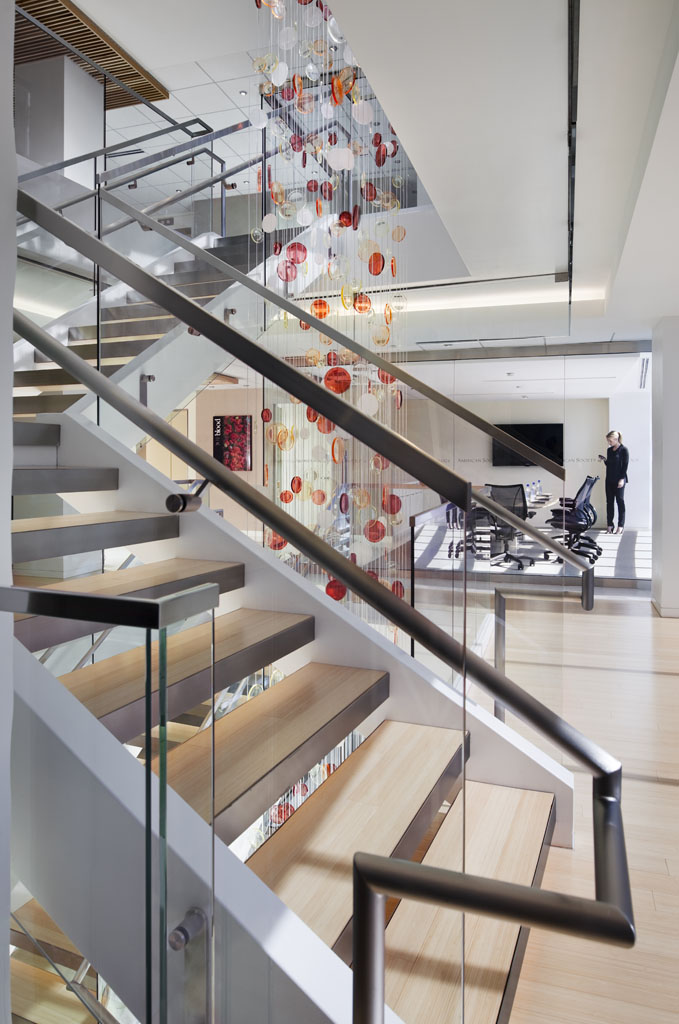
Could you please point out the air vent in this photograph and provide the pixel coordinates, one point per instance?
(643, 372)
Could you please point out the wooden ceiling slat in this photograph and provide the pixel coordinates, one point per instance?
(64, 18)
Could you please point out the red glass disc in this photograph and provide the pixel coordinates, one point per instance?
(391, 503)
(304, 325)
(332, 138)
(277, 248)
(337, 450)
(337, 379)
(374, 530)
(286, 270)
(331, 358)
(385, 377)
(380, 155)
(335, 589)
(287, 92)
(286, 497)
(320, 308)
(304, 155)
(318, 497)
(355, 217)
(267, 415)
(296, 252)
(377, 138)
(345, 219)
(326, 190)
(324, 425)
(397, 588)
(398, 399)
(296, 143)
(296, 484)
(276, 542)
(394, 148)
(312, 185)
(376, 264)
(368, 191)
(344, 503)
(281, 812)
(311, 414)
(373, 575)
(362, 303)
(379, 463)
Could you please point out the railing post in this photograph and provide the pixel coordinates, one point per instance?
(412, 577)
(368, 951)
(588, 589)
(500, 641)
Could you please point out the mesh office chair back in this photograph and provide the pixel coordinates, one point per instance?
(512, 497)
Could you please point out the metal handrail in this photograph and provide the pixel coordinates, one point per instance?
(609, 917)
(331, 332)
(101, 70)
(105, 150)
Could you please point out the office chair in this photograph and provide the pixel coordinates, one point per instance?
(576, 516)
(511, 497)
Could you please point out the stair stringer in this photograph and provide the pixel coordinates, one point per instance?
(78, 834)
(498, 754)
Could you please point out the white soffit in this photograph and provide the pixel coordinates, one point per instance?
(478, 95)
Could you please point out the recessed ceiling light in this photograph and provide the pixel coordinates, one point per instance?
(242, 92)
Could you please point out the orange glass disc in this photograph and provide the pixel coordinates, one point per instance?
(362, 303)
(267, 415)
(304, 104)
(320, 308)
(337, 450)
(393, 266)
(304, 325)
(347, 77)
(297, 84)
(319, 208)
(318, 497)
(376, 264)
(338, 380)
(337, 90)
(399, 233)
(381, 335)
(312, 357)
(361, 498)
(347, 296)
(388, 313)
(311, 414)
(277, 192)
(324, 425)
(286, 439)
(386, 378)
(296, 484)
(275, 541)
(286, 497)
(266, 474)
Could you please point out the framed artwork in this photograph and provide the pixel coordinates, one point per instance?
(232, 442)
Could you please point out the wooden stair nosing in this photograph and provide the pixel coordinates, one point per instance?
(41, 928)
(260, 751)
(498, 841)
(41, 997)
(106, 530)
(308, 861)
(286, 633)
(36, 632)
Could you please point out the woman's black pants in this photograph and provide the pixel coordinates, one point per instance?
(615, 496)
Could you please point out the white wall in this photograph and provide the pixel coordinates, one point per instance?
(469, 452)
(665, 584)
(8, 244)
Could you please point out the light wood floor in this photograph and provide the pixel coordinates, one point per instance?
(620, 686)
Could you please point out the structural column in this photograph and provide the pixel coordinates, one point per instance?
(665, 517)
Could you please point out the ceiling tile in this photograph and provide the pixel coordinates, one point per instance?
(181, 76)
(204, 99)
(126, 117)
(231, 65)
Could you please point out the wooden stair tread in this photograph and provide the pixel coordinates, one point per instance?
(40, 926)
(367, 804)
(118, 681)
(42, 997)
(255, 737)
(505, 829)
(81, 519)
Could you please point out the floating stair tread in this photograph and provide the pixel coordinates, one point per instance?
(40, 926)
(45, 402)
(505, 829)
(367, 804)
(145, 577)
(43, 998)
(120, 680)
(63, 479)
(54, 377)
(82, 519)
(40, 434)
(254, 738)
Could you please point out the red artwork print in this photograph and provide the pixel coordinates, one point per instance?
(335, 589)
(376, 264)
(286, 497)
(369, 192)
(311, 414)
(386, 378)
(325, 426)
(296, 484)
(296, 252)
(267, 415)
(380, 155)
(397, 588)
(337, 379)
(374, 531)
(327, 190)
(232, 442)
(286, 270)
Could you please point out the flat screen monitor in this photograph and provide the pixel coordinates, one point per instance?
(546, 438)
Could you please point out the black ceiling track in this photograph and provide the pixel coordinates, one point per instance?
(573, 55)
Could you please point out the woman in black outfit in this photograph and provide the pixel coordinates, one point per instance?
(616, 478)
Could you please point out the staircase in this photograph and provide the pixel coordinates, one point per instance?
(396, 794)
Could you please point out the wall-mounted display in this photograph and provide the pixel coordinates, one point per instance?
(232, 442)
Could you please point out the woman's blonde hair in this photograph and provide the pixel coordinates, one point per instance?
(617, 434)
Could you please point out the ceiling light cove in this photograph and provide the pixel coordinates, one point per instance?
(554, 294)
